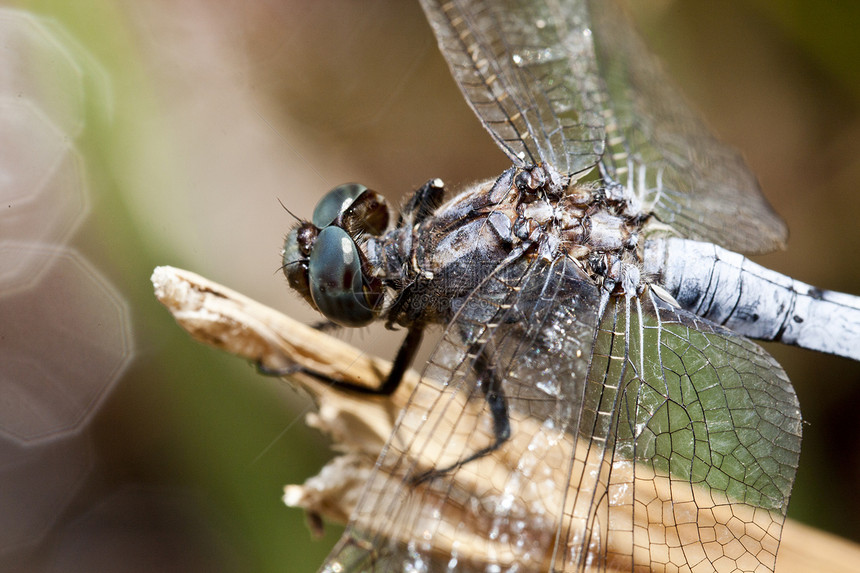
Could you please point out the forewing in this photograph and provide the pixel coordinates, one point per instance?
(571, 83)
(659, 146)
(533, 323)
(691, 449)
(527, 69)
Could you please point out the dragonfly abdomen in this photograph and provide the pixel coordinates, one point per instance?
(729, 289)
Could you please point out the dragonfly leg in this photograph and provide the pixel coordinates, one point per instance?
(491, 386)
(424, 201)
(401, 363)
(322, 326)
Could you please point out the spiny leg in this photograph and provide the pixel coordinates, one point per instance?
(491, 386)
(424, 201)
(404, 358)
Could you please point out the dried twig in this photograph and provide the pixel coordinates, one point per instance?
(360, 425)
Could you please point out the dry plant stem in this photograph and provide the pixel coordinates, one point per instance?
(360, 424)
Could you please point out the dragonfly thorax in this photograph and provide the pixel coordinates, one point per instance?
(417, 270)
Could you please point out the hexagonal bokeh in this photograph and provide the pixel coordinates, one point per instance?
(46, 83)
(42, 187)
(41, 64)
(66, 340)
(36, 484)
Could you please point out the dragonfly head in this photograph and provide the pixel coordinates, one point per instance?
(323, 261)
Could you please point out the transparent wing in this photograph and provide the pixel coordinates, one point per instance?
(675, 449)
(688, 447)
(502, 509)
(661, 147)
(641, 435)
(571, 83)
(528, 70)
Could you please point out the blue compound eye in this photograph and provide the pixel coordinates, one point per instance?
(354, 208)
(335, 203)
(337, 286)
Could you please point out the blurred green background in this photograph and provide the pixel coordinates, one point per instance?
(212, 111)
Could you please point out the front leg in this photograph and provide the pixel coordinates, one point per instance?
(404, 358)
(423, 202)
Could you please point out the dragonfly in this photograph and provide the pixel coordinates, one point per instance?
(596, 313)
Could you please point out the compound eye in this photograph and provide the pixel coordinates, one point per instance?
(354, 208)
(336, 281)
(297, 248)
(335, 203)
